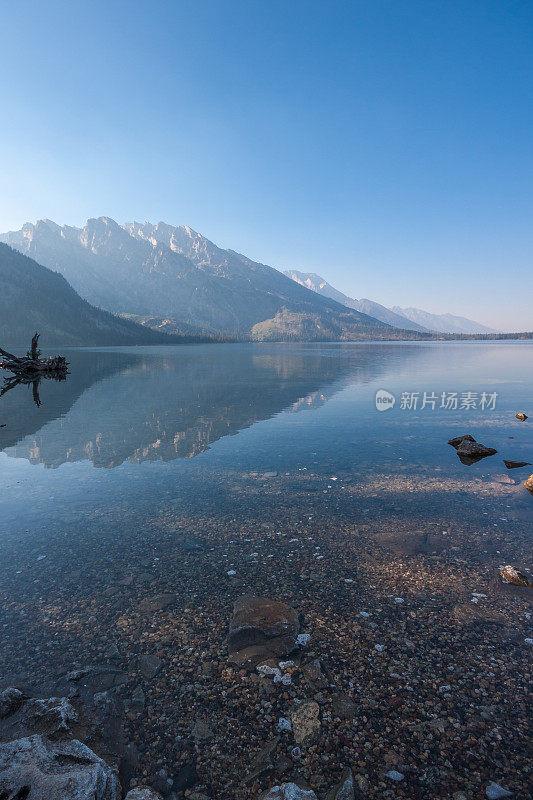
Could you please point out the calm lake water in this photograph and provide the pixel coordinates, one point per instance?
(147, 426)
(154, 487)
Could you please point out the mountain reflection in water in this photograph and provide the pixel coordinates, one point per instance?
(151, 404)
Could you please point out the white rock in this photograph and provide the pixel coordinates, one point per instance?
(394, 775)
(288, 791)
(494, 791)
(284, 724)
(265, 669)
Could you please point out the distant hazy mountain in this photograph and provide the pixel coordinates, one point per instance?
(409, 318)
(443, 323)
(321, 286)
(33, 298)
(175, 273)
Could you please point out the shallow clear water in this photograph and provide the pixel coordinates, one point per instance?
(203, 473)
(140, 427)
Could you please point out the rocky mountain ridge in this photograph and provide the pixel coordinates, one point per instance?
(174, 272)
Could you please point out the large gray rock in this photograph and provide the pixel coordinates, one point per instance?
(288, 791)
(96, 719)
(36, 768)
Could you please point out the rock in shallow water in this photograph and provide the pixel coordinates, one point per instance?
(261, 628)
(201, 731)
(158, 603)
(470, 451)
(394, 775)
(313, 674)
(344, 790)
(262, 762)
(52, 716)
(521, 416)
(36, 768)
(460, 439)
(305, 720)
(288, 791)
(529, 484)
(137, 701)
(143, 793)
(343, 706)
(512, 575)
(10, 700)
(494, 791)
(149, 666)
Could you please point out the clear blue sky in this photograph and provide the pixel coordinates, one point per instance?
(386, 144)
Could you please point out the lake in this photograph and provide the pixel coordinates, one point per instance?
(211, 472)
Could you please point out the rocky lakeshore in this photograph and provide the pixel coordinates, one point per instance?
(391, 658)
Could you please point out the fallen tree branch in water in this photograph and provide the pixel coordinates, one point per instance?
(31, 366)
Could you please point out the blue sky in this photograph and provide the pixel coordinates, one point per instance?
(386, 145)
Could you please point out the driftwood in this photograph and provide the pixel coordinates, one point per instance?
(30, 369)
(30, 366)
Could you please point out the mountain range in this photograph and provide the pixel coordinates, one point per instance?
(172, 279)
(410, 318)
(446, 323)
(173, 276)
(33, 297)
